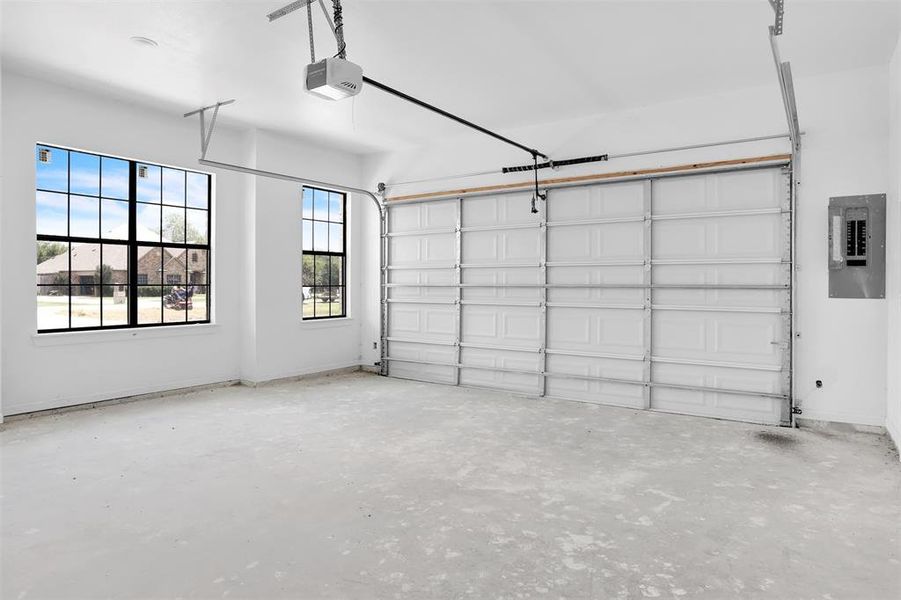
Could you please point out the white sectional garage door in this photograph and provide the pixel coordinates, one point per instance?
(670, 294)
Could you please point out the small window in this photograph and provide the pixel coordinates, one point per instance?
(324, 255)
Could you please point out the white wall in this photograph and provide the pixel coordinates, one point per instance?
(845, 117)
(257, 332)
(893, 251)
(283, 345)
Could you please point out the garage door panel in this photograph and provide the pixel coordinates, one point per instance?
(625, 297)
(583, 275)
(430, 277)
(771, 300)
(420, 250)
(514, 326)
(613, 368)
(490, 360)
(495, 276)
(767, 382)
(723, 337)
(422, 321)
(758, 236)
(590, 243)
(515, 246)
(724, 191)
(596, 202)
(726, 406)
(600, 392)
(506, 209)
(596, 330)
(596, 392)
(422, 353)
(429, 215)
(772, 273)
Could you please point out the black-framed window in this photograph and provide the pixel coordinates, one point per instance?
(114, 237)
(324, 254)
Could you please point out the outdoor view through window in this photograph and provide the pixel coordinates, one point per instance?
(324, 257)
(120, 243)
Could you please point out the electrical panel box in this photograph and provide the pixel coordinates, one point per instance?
(857, 246)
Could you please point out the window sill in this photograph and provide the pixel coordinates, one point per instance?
(66, 338)
(325, 323)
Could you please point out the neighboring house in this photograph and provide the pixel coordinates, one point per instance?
(156, 266)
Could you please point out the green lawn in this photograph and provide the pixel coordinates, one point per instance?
(321, 308)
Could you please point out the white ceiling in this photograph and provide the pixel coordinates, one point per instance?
(499, 63)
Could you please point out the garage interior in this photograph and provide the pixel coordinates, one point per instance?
(379, 299)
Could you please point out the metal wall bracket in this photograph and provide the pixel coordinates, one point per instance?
(207, 135)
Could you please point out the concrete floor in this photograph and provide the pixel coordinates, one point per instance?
(363, 487)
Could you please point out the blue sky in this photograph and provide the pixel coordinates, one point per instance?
(322, 206)
(91, 175)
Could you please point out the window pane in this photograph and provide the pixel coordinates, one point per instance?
(52, 211)
(307, 203)
(307, 278)
(336, 272)
(198, 267)
(198, 190)
(115, 266)
(196, 230)
(150, 304)
(308, 301)
(52, 259)
(320, 205)
(84, 174)
(198, 307)
(174, 272)
(321, 302)
(52, 175)
(114, 284)
(150, 265)
(114, 219)
(335, 237)
(176, 300)
(320, 236)
(85, 303)
(114, 178)
(307, 240)
(321, 270)
(115, 305)
(85, 261)
(53, 306)
(173, 187)
(336, 207)
(173, 225)
(84, 216)
(337, 299)
(150, 185)
(148, 228)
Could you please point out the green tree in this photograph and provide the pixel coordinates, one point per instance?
(47, 250)
(104, 275)
(176, 229)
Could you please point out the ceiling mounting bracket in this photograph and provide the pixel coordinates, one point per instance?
(207, 134)
(779, 9)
